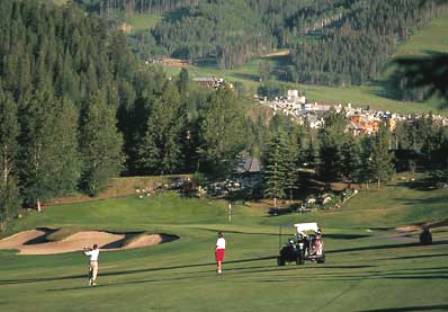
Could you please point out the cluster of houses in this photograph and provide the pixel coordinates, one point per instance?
(360, 120)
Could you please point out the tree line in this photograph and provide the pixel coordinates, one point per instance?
(335, 155)
(77, 108)
(342, 42)
(113, 7)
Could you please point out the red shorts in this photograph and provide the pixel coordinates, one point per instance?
(219, 254)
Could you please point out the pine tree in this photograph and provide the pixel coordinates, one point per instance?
(183, 81)
(332, 139)
(9, 131)
(352, 159)
(161, 148)
(49, 158)
(222, 132)
(66, 158)
(380, 161)
(292, 164)
(276, 167)
(100, 145)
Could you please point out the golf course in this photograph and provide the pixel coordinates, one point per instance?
(374, 261)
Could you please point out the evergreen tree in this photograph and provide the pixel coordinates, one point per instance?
(276, 167)
(161, 148)
(222, 132)
(66, 158)
(332, 138)
(183, 81)
(381, 161)
(48, 125)
(100, 145)
(352, 159)
(292, 163)
(9, 131)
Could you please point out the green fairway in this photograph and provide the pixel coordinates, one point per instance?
(369, 267)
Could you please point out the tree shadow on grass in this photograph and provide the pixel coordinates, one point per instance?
(434, 307)
(135, 271)
(443, 199)
(388, 246)
(415, 257)
(421, 185)
(210, 273)
(246, 76)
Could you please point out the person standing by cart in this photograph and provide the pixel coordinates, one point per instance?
(219, 252)
(93, 254)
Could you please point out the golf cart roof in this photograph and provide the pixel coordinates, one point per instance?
(304, 227)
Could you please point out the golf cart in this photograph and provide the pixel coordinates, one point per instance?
(307, 244)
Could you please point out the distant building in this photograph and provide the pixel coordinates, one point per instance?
(210, 82)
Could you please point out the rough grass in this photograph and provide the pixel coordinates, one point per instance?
(119, 187)
(362, 265)
(433, 37)
(141, 22)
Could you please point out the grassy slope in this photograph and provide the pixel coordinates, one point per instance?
(141, 22)
(432, 37)
(179, 276)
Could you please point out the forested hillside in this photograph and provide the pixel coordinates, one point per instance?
(135, 6)
(338, 42)
(355, 49)
(76, 108)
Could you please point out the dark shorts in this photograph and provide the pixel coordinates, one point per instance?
(219, 254)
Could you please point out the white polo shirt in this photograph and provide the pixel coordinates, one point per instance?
(221, 243)
(92, 254)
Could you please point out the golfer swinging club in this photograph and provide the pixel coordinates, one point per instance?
(219, 252)
(93, 254)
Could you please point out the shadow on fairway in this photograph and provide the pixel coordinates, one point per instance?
(67, 277)
(330, 236)
(134, 282)
(415, 257)
(436, 307)
(388, 246)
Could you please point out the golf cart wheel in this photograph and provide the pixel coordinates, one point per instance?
(300, 260)
(321, 259)
(280, 261)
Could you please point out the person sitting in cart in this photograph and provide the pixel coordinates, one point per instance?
(317, 247)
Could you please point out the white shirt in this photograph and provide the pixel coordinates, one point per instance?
(92, 254)
(221, 243)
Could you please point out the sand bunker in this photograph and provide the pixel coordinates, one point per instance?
(34, 242)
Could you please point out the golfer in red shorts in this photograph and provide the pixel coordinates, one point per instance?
(219, 252)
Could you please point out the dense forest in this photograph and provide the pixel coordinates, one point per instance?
(338, 42)
(110, 7)
(355, 49)
(77, 108)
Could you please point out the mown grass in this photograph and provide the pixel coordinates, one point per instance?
(366, 270)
